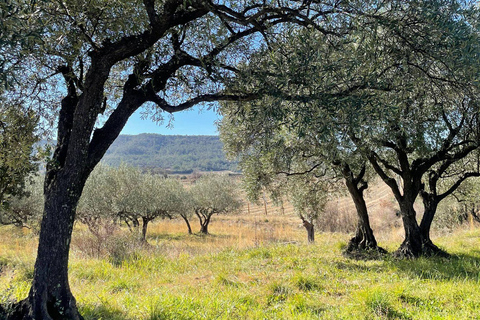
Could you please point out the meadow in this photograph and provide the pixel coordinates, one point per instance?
(253, 267)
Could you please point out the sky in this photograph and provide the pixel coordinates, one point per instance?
(189, 122)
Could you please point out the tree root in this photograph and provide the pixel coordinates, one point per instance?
(431, 250)
(426, 249)
(363, 250)
(25, 310)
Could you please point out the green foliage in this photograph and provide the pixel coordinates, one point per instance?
(128, 194)
(400, 90)
(15, 32)
(309, 195)
(17, 159)
(25, 210)
(215, 193)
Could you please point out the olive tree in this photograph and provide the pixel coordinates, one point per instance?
(395, 91)
(18, 157)
(214, 194)
(127, 194)
(159, 197)
(430, 115)
(25, 209)
(96, 207)
(95, 71)
(309, 195)
(298, 127)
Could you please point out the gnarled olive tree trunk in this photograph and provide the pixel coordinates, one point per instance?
(364, 239)
(50, 296)
(310, 227)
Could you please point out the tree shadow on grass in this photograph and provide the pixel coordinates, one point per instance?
(169, 236)
(186, 236)
(457, 267)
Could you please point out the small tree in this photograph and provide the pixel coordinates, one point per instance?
(309, 195)
(127, 193)
(159, 197)
(17, 159)
(25, 210)
(213, 194)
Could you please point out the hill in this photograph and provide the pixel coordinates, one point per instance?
(176, 154)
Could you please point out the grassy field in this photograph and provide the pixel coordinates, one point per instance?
(253, 267)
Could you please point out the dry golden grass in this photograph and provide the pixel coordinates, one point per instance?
(233, 231)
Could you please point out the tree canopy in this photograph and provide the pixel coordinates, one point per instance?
(94, 64)
(399, 90)
(213, 194)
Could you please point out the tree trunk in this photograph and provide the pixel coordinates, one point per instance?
(50, 296)
(204, 218)
(310, 227)
(204, 227)
(412, 245)
(310, 232)
(364, 240)
(430, 204)
(188, 224)
(145, 222)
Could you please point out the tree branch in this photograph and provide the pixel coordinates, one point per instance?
(457, 183)
(164, 105)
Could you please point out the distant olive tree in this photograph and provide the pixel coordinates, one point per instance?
(309, 195)
(213, 194)
(96, 206)
(128, 195)
(25, 209)
(158, 197)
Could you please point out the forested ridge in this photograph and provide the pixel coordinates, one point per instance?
(175, 153)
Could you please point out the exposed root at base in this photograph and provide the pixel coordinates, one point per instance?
(375, 253)
(23, 310)
(427, 249)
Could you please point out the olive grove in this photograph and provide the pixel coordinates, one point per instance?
(399, 93)
(94, 63)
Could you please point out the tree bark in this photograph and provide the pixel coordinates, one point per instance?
(204, 228)
(188, 224)
(145, 222)
(310, 231)
(50, 296)
(310, 227)
(364, 239)
(430, 203)
(204, 218)
(412, 246)
(204, 225)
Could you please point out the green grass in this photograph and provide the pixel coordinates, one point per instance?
(273, 281)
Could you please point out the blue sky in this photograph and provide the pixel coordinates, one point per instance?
(190, 122)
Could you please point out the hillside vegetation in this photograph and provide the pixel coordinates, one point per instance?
(176, 154)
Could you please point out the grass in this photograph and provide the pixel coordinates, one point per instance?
(253, 269)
